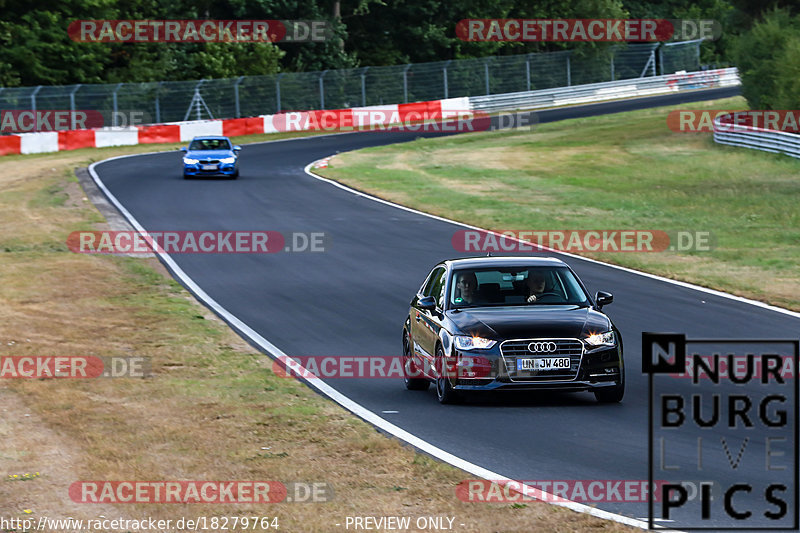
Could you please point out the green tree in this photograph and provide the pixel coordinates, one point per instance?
(768, 58)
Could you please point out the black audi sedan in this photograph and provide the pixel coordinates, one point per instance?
(510, 323)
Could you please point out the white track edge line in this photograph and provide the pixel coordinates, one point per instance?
(355, 408)
(567, 254)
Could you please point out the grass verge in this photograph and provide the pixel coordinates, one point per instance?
(213, 409)
(622, 171)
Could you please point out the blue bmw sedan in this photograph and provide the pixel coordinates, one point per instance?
(211, 156)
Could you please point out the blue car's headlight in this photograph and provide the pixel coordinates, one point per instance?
(190, 161)
(473, 343)
(601, 339)
(228, 160)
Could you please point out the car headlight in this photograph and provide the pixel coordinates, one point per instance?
(190, 161)
(601, 339)
(473, 343)
(228, 160)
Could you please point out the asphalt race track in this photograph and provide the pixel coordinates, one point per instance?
(352, 300)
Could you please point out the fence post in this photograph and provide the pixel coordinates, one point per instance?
(197, 92)
(364, 86)
(72, 98)
(405, 83)
(114, 97)
(278, 91)
(697, 49)
(158, 102)
(486, 73)
(322, 89)
(236, 95)
(33, 97)
(444, 72)
(612, 66)
(528, 72)
(661, 58)
(569, 69)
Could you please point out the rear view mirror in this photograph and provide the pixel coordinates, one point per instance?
(183, 149)
(428, 303)
(603, 298)
(237, 148)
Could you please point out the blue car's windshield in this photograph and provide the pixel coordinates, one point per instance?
(515, 286)
(210, 144)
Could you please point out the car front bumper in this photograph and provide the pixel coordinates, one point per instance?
(223, 169)
(475, 371)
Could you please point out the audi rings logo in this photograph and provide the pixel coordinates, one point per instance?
(542, 347)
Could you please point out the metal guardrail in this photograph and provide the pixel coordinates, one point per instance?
(779, 142)
(595, 92)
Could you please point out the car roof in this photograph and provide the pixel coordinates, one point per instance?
(203, 137)
(503, 261)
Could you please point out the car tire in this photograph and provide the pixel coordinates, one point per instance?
(612, 394)
(186, 176)
(235, 174)
(411, 383)
(444, 389)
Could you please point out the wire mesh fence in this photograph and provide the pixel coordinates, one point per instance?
(245, 96)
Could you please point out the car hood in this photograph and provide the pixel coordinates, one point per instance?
(208, 154)
(529, 321)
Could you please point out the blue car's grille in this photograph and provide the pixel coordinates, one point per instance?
(521, 349)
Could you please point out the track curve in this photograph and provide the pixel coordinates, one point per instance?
(352, 300)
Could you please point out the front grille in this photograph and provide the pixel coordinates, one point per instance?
(519, 349)
(209, 161)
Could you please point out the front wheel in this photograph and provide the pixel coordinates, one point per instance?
(612, 394)
(444, 389)
(410, 369)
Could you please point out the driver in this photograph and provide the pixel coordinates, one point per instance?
(535, 284)
(467, 284)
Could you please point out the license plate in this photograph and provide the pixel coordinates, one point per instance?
(544, 363)
(209, 167)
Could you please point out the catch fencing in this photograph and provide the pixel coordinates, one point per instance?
(249, 96)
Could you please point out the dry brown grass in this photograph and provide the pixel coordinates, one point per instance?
(212, 410)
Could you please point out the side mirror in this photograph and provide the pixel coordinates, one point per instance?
(428, 303)
(603, 298)
(184, 149)
(237, 148)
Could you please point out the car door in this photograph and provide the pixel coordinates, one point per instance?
(424, 322)
(431, 320)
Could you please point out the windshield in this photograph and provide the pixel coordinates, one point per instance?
(515, 286)
(210, 144)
